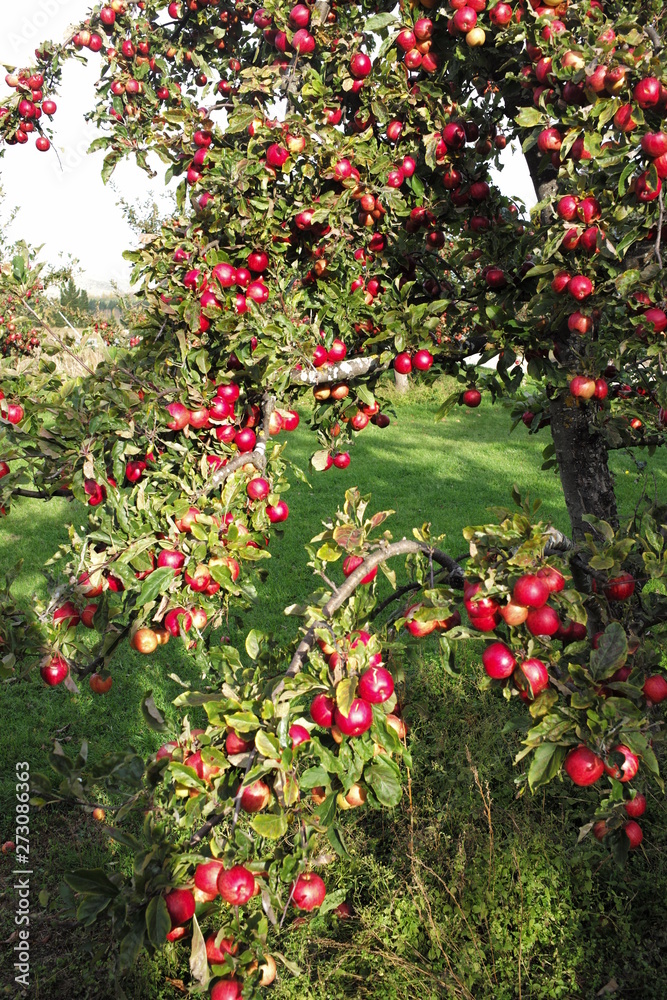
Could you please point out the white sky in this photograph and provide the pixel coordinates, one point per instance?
(69, 210)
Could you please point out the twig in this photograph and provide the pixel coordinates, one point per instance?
(256, 457)
(91, 667)
(218, 817)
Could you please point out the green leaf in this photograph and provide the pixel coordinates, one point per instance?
(384, 777)
(530, 118)
(345, 693)
(612, 652)
(331, 901)
(198, 961)
(131, 945)
(90, 908)
(272, 826)
(91, 880)
(152, 714)
(545, 765)
(154, 584)
(267, 745)
(158, 921)
(379, 21)
(242, 722)
(313, 777)
(252, 643)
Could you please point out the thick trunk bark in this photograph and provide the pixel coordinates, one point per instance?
(402, 382)
(581, 453)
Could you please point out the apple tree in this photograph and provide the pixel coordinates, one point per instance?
(337, 218)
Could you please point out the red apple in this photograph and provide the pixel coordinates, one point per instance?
(180, 906)
(583, 766)
(308, 891)
(236, 885)
(498, 660)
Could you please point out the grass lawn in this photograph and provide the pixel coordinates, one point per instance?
(471, 893)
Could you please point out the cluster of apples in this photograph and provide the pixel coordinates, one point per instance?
(223, 277)
(30, 108)
(605, 81)
(416, 44)
(527, 605)
(301, 41)
(585, 767)
(375, 686)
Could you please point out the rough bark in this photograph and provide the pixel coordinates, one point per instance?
(581, 453)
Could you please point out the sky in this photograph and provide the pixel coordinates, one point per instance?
(63, 204)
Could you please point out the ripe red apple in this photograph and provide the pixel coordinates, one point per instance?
(376, 685)
(472, 398)
(647, 92)
(636, 807)
(543, 621)
(620, 588)
(655, 688)
(177, 620)
(531, 677)
(308, 891)
(645, 189)
(258, 489)
(403, 364)
(583, 766)
(206, 876)
(580, 287)
(360, 65)
(180, 906)
(169, 557)
(628, 769)
(298, 734)
(236, 885)
(255, 797)
(180, 415)
(498, 660)
(554, 580)
(322, 710)
(235, 744)
(513, 614)
(341, 460)
(54, 670)
(357, 721)
(216, 953)
(277, 513)
(67, 614)
(531, 590)
(422, 360)
(228, 988)
(354, 562)
(633, 832)
(582, 387)
(245, 440)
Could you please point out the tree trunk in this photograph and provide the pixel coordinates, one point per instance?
(402, 382)
(581, 453)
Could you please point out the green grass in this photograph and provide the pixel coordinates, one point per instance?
(442, 908)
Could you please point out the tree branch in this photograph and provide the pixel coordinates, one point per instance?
(42, 494)
(218, 817)
(335, 373)
(381, 554)
(91, 667)
(257, 457)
